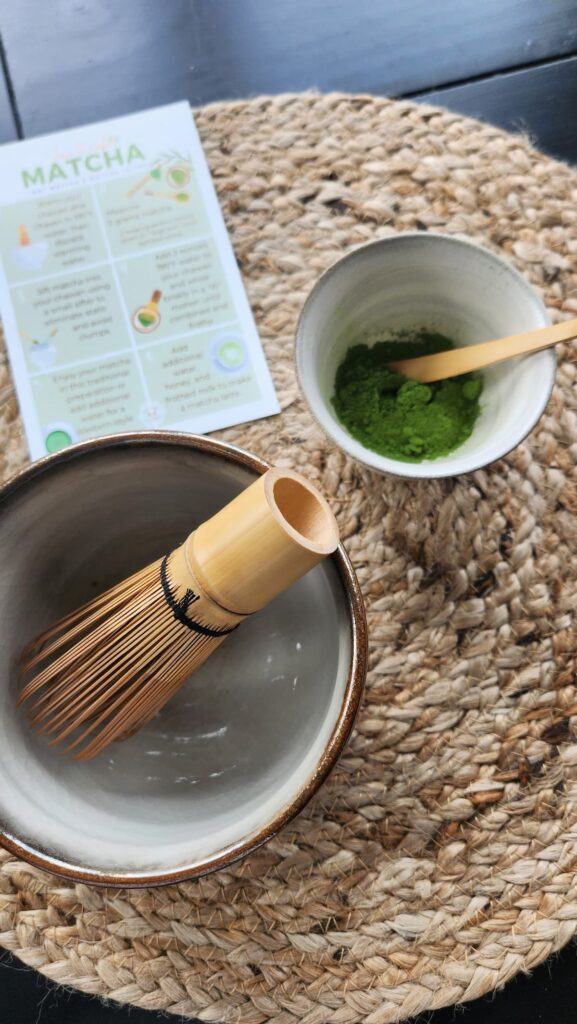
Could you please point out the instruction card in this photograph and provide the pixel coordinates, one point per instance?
(122, 303)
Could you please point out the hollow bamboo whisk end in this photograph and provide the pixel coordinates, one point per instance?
(106, 669)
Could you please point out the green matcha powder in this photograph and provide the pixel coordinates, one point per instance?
(397, 417)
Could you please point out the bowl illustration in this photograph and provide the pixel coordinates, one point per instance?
(30, 257)
(147, 318)
(42, 353)
(178, 176)
(151, 415)
(228, 353)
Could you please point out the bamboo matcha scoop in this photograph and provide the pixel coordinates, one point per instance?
(456, 361)
(105, 670)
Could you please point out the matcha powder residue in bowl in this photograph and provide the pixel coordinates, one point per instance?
(397, 417)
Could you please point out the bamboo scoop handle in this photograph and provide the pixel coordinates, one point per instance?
(265, 539)
(456, 361)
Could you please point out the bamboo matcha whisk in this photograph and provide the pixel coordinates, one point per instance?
(102, 672)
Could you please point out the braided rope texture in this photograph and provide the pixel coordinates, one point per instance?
(441, 857)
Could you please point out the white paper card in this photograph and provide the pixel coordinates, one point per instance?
(122, 302)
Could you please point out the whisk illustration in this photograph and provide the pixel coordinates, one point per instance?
(105, 670)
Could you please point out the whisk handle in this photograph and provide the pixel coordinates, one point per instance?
(269, 536)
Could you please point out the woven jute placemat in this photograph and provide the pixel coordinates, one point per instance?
(441, 857)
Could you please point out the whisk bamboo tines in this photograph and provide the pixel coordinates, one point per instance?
(105, 670)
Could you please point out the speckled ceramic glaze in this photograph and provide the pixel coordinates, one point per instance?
(446, 284)
(248, 739)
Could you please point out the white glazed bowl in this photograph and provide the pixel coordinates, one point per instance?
(441, 283)
(241, 748)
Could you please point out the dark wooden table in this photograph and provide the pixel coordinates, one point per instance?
(511, 62)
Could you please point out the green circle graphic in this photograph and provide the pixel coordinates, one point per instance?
(178, 176)
(56, 440)
(230, 354)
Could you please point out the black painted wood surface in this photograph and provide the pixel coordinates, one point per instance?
(77, 62)
(8, 132)
(541, 102)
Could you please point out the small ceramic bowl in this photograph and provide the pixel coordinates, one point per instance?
(431, 281)
(247, 741)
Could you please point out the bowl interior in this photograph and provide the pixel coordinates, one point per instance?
(442, 284)
(245, 734)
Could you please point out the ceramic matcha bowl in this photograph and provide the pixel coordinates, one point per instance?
(246, 742)
(424, 280)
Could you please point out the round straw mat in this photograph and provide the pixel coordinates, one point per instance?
(441, 857)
